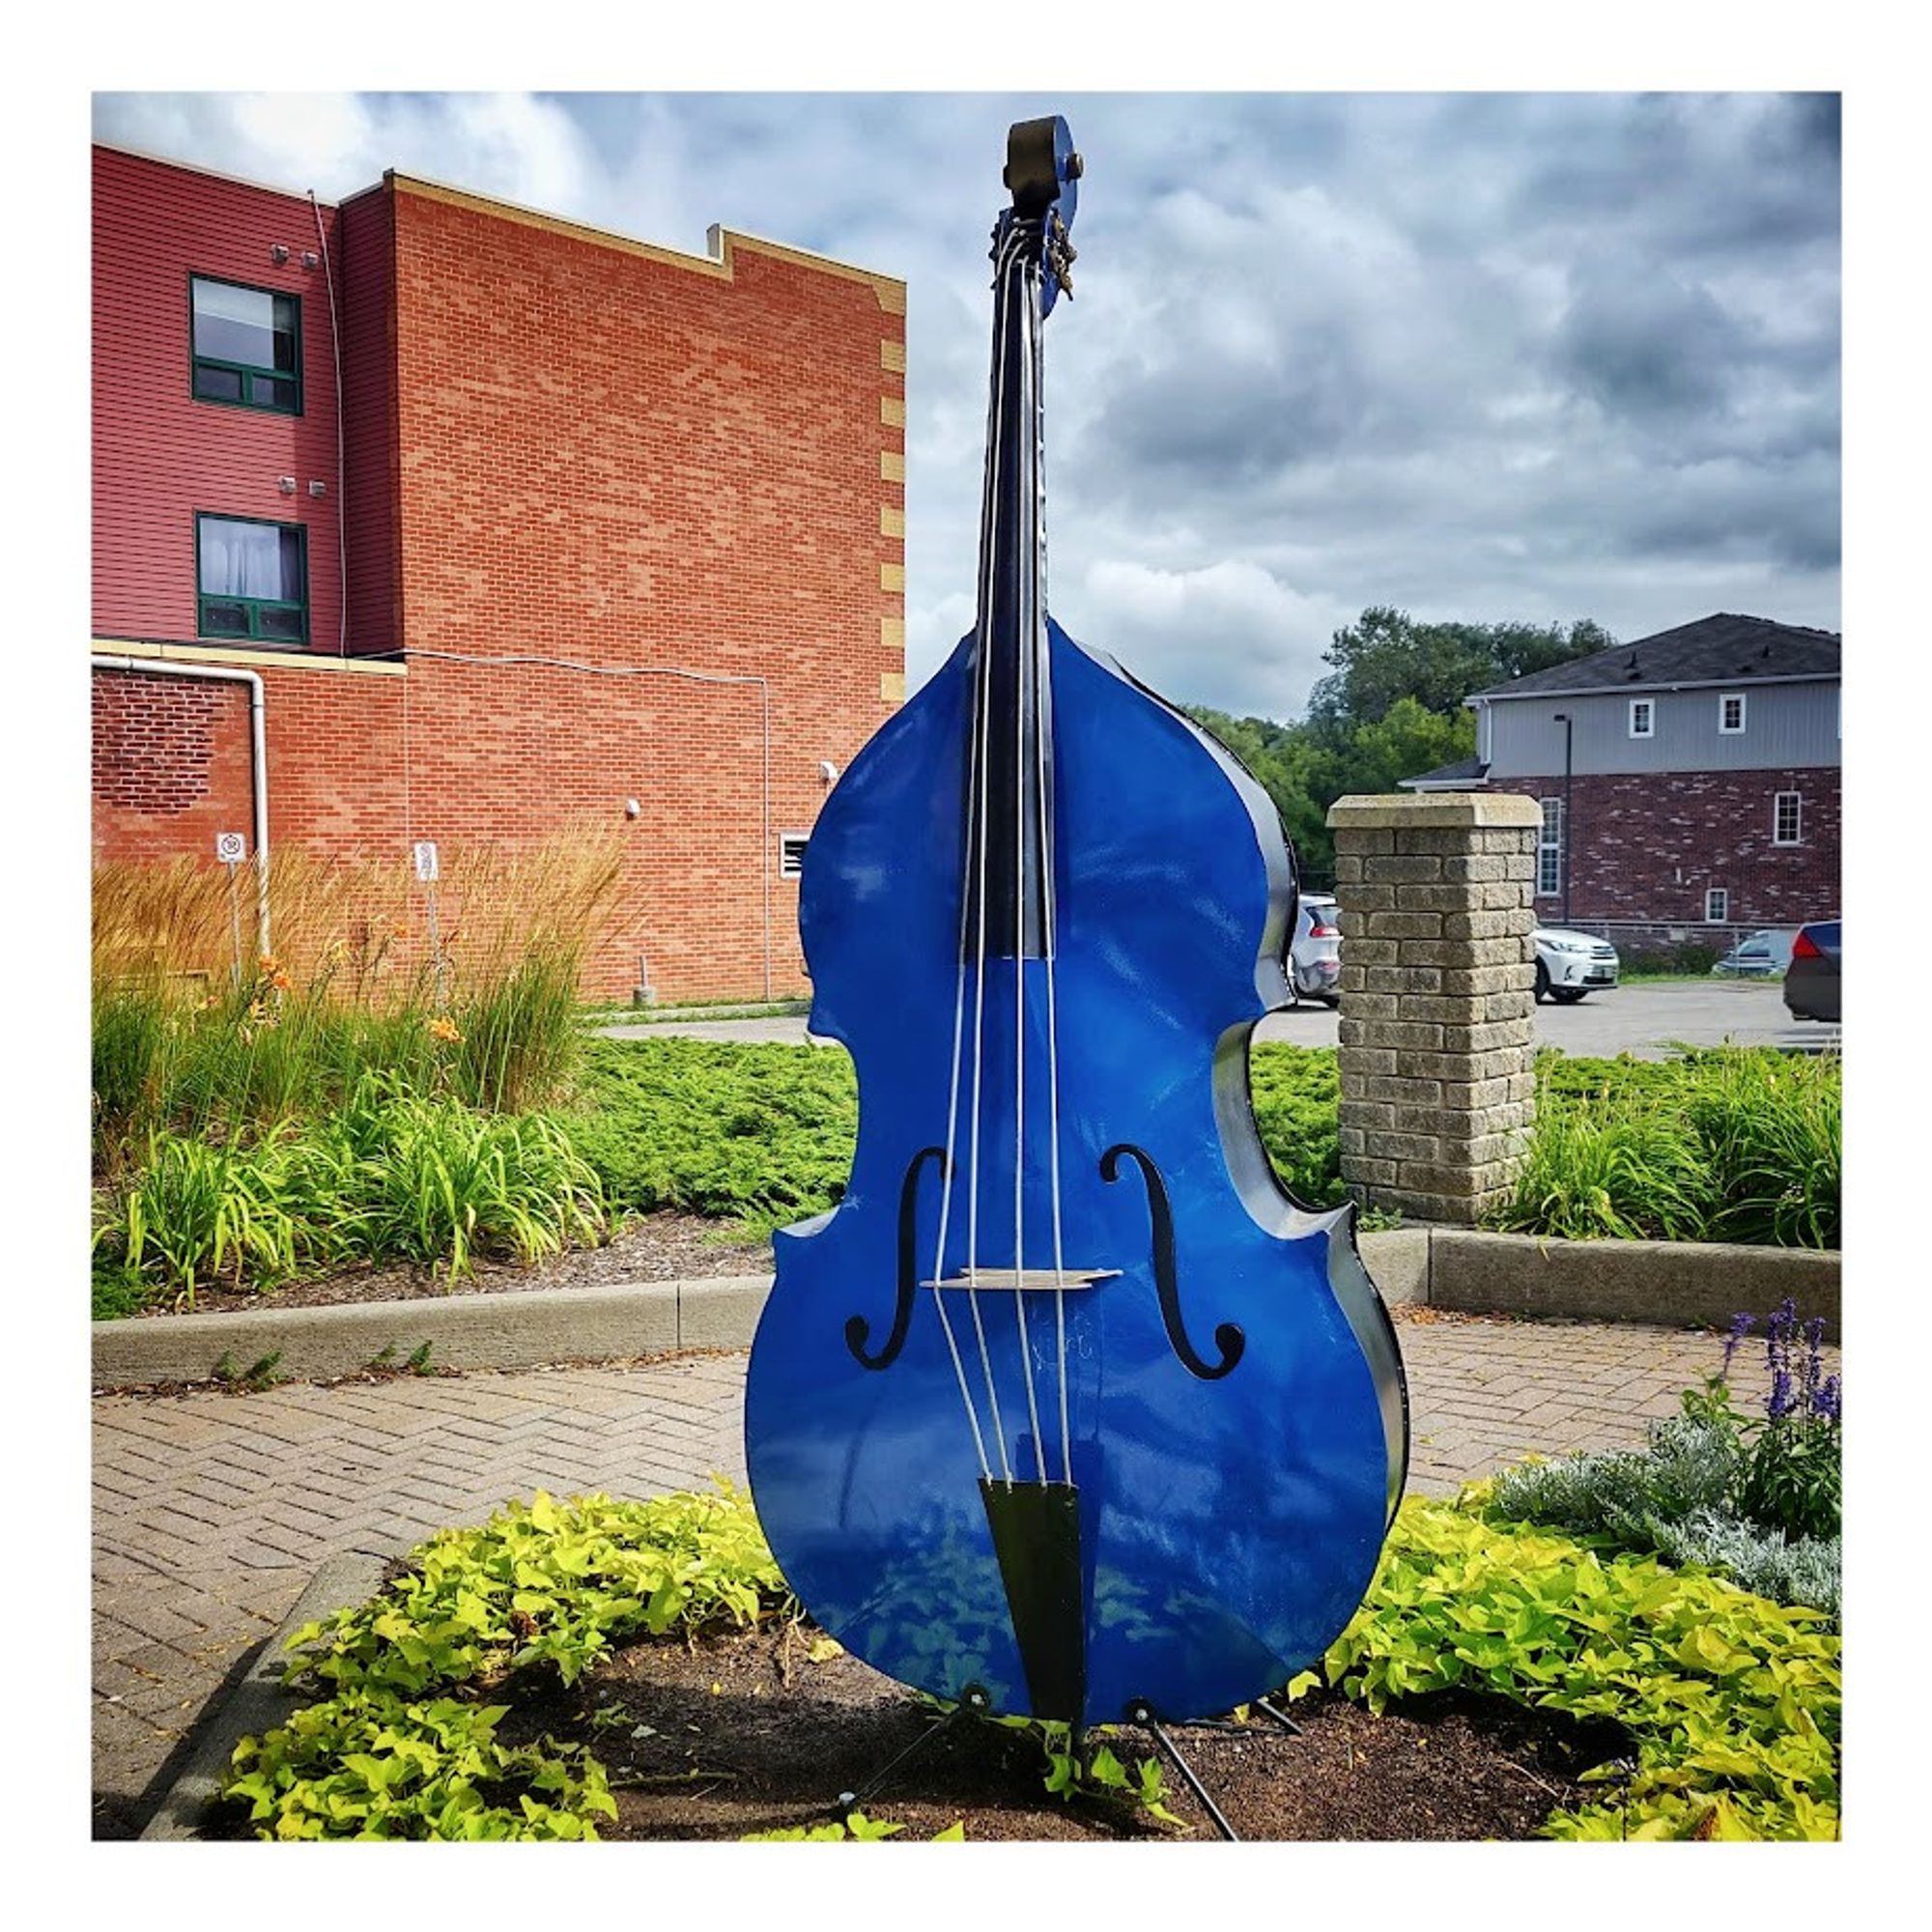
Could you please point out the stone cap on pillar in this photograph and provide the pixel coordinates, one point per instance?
(1380, 811)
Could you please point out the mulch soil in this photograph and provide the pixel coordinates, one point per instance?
(655, 1247)
(744, 1733)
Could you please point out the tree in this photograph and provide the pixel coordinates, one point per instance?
(1391, 707)
(1386, 656)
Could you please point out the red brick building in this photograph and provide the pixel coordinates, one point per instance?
(429, 517)
(1689, 781)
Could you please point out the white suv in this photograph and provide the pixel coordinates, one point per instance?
(1570, 964)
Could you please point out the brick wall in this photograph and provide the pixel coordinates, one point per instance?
(622, 460)
(170, 765)
(1645, 848)
(560, 444)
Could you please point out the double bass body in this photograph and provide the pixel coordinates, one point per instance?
(1066, 1404)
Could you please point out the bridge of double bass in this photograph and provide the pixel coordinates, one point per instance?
(1025, 1280)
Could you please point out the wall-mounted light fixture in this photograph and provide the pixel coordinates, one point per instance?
(828, 771)
(286, 485)
(632, 810)
(317, 488)
(279, 253)
(310, 259)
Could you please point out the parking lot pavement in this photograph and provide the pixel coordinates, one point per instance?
(1643, 1019)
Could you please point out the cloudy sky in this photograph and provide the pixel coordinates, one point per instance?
(1484, 357)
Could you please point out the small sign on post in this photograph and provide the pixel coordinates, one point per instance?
(428, 870)
(231, 848)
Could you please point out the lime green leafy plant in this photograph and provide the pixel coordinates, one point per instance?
(855, 1827)
(398, 1745)
(1732, 1702)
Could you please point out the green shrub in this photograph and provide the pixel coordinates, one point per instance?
(1633, 1174)
(1757, 1497)
(430, 1181)
(1727, 1144)
(399, 1748)
(370, 1765)
(761, 1134)
(197, 1209)
(1770, 1127)
(1297, 1096)
(1673, 960)
(1733, 1702)
(391, 1177)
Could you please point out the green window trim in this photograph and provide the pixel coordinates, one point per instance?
(255, 384)
(235, 618)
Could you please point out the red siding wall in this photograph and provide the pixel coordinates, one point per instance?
(158, 455)
(371, 507)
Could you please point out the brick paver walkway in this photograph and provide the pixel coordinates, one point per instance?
(211, 1511)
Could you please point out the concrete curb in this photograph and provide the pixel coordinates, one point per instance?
(1675, 1284)
(464, 1331)
(262, 1700)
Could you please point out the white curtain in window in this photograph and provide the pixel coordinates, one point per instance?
(242, 560)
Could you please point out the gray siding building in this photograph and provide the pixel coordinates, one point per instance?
(1690, 781)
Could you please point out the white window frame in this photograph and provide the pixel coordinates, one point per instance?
(1717, 905)
(1550, 848)
(1649, 709)
(1797, 838)
(791, 863)
(1726, 699)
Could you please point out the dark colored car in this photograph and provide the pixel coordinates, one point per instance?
(1811, 980)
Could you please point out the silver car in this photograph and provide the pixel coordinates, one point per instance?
(1315, 952)
(1570, 964)
(1759, 956)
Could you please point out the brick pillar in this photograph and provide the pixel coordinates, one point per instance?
(1438, 991)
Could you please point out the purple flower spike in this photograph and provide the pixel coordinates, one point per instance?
(1741, 1325)
(1830, 1401)
(1780, 1401)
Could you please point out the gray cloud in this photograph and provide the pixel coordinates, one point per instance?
(1484, 355)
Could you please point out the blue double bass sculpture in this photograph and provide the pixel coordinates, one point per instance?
(1067, 1408)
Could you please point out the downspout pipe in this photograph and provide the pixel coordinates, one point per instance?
(258, 754)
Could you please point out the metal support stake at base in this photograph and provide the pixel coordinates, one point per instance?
(1143, 1715)
(1280, 1716)
(972, 1701)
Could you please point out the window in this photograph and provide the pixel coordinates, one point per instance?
(1643, 717)
(251, 579)
(1731, 713)
(1549, 850)
(247, 345)
(1717, 906)
(792, 854)
(1787, 818)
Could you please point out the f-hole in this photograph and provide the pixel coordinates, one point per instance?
(1228, 1337)
(858, 1329)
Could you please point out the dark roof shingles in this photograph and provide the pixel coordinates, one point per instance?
(1712, 650)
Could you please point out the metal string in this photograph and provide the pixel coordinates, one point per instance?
(1023, 571)
(994, 444)
(1044, 671)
